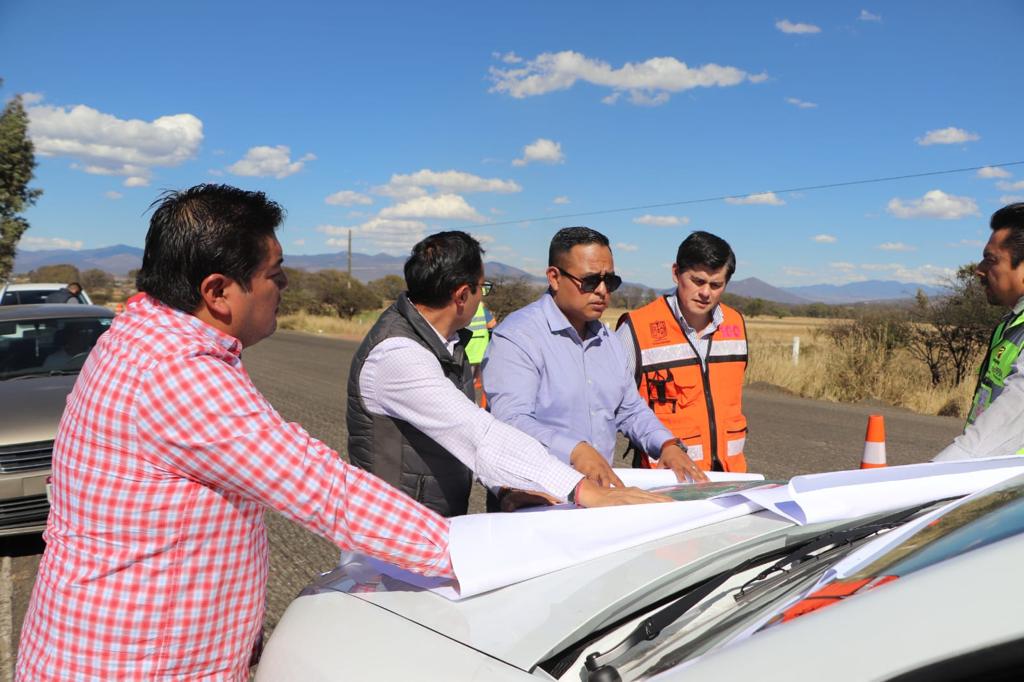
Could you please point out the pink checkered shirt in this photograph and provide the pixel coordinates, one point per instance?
(156, 558)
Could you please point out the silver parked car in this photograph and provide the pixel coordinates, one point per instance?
(928, 594)
(42, 349)
(35, 292)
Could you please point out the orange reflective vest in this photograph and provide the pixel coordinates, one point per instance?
(701, 405)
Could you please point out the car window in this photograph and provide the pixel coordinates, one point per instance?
(24, 297)
(47, 346)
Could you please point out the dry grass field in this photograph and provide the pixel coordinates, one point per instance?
(823, 371)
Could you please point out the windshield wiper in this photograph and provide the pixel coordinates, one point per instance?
(597, 664)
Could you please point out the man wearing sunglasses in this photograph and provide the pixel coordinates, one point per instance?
(687, 352)
(556, 372)
(411, 417)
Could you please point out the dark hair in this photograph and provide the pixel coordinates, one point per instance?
(73, 284)
(1011, 216)
(568, 237)
(440, 264)
(200, 231)
(704, 248)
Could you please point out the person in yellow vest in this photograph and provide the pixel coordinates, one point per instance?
(481, 325)
(994, 426)
(688, 352)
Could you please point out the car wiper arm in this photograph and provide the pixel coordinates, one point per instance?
(597, 664)
(846, 536)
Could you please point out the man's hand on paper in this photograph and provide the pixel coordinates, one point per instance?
(592, 495)
(512, 499)
(673, 457)
(592, 464)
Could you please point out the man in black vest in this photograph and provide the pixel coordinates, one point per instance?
(412, 419)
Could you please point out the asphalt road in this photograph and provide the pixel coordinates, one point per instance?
(304, 377)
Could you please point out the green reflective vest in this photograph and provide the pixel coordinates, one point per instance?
(481, 336)
(1007, 340)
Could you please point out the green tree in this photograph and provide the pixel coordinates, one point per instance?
(953, 330)
(509, 295)
(17, 162)
(61, 272)
(387, 287)
(95, 279)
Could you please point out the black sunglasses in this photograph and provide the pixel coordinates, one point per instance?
(590, 283)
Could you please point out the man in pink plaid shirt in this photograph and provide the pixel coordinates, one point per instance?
(156, 559)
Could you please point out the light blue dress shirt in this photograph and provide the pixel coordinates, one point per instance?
(541, 378)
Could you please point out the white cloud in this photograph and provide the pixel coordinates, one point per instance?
(824, 238)
(215, 172)
(993, 172)
(1010, 186)
(450, 181)
(508, 57)
(934, 204)
(561, 200)
(650, 82)
(440, 207)
(263, 161)
(298, 242)
(798, 272)
(843, 272)
(103, 144)
(949, 135)
(347, 197)
(112, 195)
(541, 150)
(30, 243)
(390, 236)
(868, 16)
(1011, 199)
(483, 238)
(924, 274)
(768, 198)
(30, 98)
(136, 181)
(623, 246)
(801, 103)
(895, 246)
(787, 26)
(973, 243)
(661, 220)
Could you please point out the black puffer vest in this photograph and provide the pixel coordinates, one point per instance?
(395, 450)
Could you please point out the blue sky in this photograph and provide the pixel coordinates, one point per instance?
(398, 119)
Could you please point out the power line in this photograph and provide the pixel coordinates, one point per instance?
(790, 190)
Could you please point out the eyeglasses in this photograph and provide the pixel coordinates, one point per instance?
(590, 283)
(486, 287)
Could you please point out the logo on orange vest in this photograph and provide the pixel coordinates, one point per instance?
(659, 331)
(730, 331)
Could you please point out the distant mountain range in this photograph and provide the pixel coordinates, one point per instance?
(120, 259)
(854, 292)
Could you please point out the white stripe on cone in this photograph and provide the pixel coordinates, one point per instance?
(874, 455)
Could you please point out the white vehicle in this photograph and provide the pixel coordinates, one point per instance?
(925, 592)
(34, 292)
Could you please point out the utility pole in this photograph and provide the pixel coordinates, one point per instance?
(350, 258)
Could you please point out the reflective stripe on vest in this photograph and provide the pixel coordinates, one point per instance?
(1003, 350)
(699, 404)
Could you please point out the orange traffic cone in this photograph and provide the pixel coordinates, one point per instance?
(874, 443)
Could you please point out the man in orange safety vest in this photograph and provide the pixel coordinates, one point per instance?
(688, 353)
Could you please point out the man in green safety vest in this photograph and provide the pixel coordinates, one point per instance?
(481, 325)
(995, 425)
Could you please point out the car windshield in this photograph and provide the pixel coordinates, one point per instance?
(25, 297)
(46, 346)
(747, 605)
